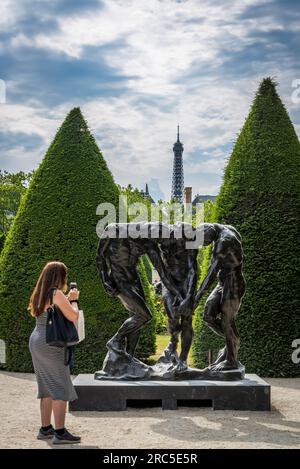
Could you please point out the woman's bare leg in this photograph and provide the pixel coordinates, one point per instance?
(59, 411)
(46, 411)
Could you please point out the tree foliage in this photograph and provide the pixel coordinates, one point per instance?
(12, 187)
(260, 196)
(57, 220)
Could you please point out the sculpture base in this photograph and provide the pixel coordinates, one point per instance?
(251, 393)
(121, 366)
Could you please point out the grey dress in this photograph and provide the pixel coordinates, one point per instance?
(52, 375)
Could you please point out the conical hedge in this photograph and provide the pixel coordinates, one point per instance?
(57, 221)
(260, 196)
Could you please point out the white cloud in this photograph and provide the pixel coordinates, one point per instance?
(137, 138)
(10, 12)
(15, 118)
(159, 40)
(170, 54)
(210, 166)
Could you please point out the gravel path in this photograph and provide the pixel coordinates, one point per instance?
(154, 428)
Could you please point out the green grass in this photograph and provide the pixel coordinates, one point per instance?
(162, 341)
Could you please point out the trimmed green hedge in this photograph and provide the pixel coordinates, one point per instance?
(2, 240)
(57, 220)
(260, 196)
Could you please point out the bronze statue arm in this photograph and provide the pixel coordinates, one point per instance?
(192, 276)
(155, 257)
(187, 305)
(103, 268)
(208, 281)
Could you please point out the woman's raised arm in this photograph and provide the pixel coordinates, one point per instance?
(68, 310)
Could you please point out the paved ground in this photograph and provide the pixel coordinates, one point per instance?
(154, 428)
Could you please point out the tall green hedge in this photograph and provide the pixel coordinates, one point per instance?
(57, 221)
(260, 196)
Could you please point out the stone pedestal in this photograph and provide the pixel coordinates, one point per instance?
(250, 393)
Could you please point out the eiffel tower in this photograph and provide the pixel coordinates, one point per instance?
(177, 179)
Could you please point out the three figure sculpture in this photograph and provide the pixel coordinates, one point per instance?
(173, 251)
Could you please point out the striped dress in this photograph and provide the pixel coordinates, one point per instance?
(52, 375)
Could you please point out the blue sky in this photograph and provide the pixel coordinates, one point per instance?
(137, 68)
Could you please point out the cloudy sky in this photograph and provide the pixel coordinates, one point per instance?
(137, 68)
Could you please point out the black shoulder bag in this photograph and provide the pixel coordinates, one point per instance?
(60, 332)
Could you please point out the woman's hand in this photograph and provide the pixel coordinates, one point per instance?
(73, 294)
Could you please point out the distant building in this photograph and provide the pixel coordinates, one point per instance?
(179, 192)
(147, 194)
(177, 179)
(188, 195)
(203, 198)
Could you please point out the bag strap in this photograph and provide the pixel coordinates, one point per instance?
(69, 356)
(51, 293)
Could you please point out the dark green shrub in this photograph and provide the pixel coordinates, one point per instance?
(260, 196)
(2, 239)
(147, 342)
(57, 221)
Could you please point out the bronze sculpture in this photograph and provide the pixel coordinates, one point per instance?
(224, 301)
(117, 257)
(181, 263)
(117, 261)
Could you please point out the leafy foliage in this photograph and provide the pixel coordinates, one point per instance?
(260, 196)
(57, 220)
(12, 187)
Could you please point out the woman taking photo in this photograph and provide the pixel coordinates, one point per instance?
(55, 387)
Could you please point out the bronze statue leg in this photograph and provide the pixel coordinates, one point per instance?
(174, 325)
(187, 334)
(227, 359)
(213, 310)
(133, 338)
(213, 318)
(230, 308)
(132, 341)
(130, 329)
(233, 290)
